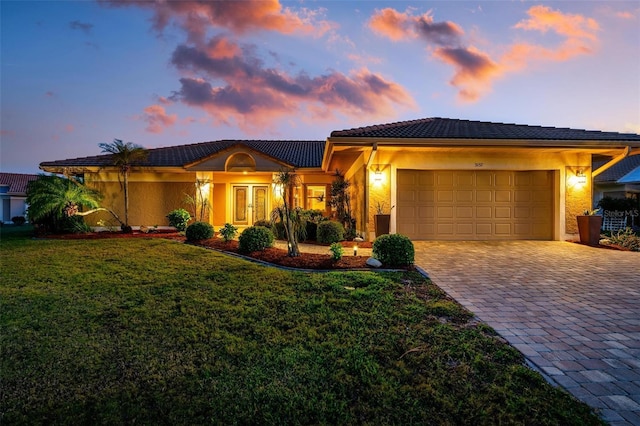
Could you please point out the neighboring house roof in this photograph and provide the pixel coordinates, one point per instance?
(619, 170)
(299, 154)
(17, 182)
(447, 128)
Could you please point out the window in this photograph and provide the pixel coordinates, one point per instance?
(316, 197)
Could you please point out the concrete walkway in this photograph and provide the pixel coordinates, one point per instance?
(572, 310)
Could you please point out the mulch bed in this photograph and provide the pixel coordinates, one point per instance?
(280, 257)
(271, 255)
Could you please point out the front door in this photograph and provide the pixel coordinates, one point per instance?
(250, 204)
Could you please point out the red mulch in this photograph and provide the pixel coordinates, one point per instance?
(270, 255)
(280, 257)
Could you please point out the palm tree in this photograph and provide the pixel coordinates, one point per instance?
(287, 180)
(124, 155)
(52, 198)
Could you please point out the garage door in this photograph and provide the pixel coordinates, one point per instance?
(475, 205)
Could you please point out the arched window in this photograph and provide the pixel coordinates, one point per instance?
(240, 162)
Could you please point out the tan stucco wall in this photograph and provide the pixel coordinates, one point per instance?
(151, 196)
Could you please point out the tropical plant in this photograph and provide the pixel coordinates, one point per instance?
(287, 181)
(336, 250)
(341, 202)
(124, 156)
(255, 238)
(199, 231)
(228, 232)
(53, 199)
(18, 220)
(179, 218)
(200, 200)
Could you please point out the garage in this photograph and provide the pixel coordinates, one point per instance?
(475, 204)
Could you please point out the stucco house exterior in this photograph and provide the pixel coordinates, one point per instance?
(448, 179)
(13, 195)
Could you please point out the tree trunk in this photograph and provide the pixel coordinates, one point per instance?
(126, 199)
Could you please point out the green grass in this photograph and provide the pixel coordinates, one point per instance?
(158, 332)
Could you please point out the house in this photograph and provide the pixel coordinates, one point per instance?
(448, 179)
(619, 181)
(13, 193)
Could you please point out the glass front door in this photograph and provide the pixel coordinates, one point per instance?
(250, 204)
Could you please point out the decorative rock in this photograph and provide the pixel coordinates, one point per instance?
(374, 263)
(358, 239)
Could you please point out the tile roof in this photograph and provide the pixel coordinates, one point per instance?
(299, 154)
(618, 170)
(17, 182)
(447, 128)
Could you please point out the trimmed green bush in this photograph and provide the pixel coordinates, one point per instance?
(179, 218)
(394, 250)
(255, 238)
(330, 232)
(199, 231)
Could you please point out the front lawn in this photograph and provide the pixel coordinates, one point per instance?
(153, 331)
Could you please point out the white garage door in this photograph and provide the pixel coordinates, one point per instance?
(475, 205)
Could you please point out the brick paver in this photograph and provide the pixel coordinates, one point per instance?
(572, 310)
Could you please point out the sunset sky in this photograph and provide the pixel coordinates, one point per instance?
(78, 73)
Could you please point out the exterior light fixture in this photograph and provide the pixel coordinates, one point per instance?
(581, 178)
(377, 176)
(355, 249)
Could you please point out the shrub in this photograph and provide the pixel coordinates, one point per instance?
(255, 238)
(74, 225)
(228, 232)
(18, 220)
(394, 250)
(199, 231)
(179, 218)
(265, 223)
(330, 232)
(336, 251)
(626, 238)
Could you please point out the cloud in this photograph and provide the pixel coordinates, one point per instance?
(157, 118)
(543, 19)
(69, 128)
(402, 25)
(7, 133)
(49, 94)
(252, 95)
(625, 15)
(247, 87)
(233, 85)
(240, 17)
(81, 26)
(474, 70)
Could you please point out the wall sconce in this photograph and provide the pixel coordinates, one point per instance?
(377, 177)
(581, 178)
(355, 250)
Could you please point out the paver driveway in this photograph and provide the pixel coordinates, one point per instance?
(572, 310)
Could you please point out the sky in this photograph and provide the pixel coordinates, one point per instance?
(75, 74)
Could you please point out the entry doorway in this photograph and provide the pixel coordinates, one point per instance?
(250, 204)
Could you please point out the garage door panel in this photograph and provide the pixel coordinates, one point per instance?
(465, 230)
(484, 212)
(475, 204)
(503, 212)
(502, 196)
(465, 195)
(465, 212)
(484, 196)
(426, 196)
